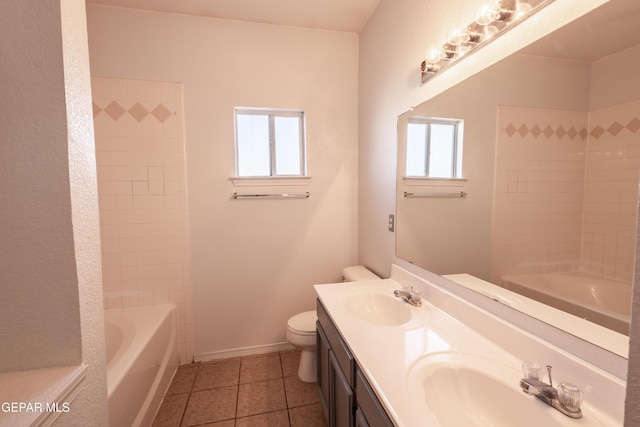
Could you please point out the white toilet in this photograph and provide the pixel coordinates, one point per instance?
(301, 328)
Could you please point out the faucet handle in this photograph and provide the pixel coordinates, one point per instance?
(570, 396)
(532, 370)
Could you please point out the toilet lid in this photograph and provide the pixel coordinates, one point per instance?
(303, 322)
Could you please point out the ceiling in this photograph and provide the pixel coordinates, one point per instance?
(337, 15)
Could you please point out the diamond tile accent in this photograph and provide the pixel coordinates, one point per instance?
(114, 110)
(583, 133)
(523, 131)
(510, 130)
(138, 112)
(548, 131)
(96, 110)
(161, 113)
(615, 128)
(633, 125)
(597, 132)
(572, 132)
(536, 131)
(561, 132)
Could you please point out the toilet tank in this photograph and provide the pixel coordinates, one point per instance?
(358, 273)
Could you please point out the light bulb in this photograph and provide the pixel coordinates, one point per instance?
(457, 36)
(522, 10)
(487, 13)
(435, 54)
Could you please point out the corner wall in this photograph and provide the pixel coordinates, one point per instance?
(51, 306)
(35, 221)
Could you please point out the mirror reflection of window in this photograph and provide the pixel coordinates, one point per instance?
(434, 148)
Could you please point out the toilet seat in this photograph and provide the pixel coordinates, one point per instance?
(303, 323)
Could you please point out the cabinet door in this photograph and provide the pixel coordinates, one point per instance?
(361, 421)
(323, 362)
(341, 406)
(369, 405)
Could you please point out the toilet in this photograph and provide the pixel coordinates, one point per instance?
(301, 328)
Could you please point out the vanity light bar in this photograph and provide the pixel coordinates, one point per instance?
(492, 20)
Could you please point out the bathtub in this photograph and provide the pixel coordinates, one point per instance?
(142, 357)
(599, 300)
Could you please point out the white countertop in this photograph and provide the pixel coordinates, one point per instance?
(389, 355)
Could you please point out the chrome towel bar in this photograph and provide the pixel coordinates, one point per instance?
(447, 195)
(272, 196)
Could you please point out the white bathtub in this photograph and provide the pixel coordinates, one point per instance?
(599, 300)
(142, 357)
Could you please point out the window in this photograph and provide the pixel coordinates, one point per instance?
(434, 147)
(269, 143)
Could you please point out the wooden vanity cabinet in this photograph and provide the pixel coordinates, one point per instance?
(371, 410)
(346, 396)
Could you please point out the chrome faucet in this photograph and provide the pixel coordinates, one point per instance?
(566, 399)
(409, 295)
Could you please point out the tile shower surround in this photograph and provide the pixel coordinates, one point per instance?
(559, 173)
(252, 391)
(140, 156)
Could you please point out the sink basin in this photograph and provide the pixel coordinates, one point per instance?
(378, 308)
(465, 390)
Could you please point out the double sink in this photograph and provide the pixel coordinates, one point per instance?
(428, 368)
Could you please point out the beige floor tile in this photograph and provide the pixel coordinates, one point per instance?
(290, 360)
(260, 397)
(300, 393)
(270, 419)
(220, 373)
(226, 423)
(171, 411)
(183, 379)
(260, 368)
(307, 416)
(208, 406)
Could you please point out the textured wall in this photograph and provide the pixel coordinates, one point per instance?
(51, 306)
(40, 324)
(90, 407)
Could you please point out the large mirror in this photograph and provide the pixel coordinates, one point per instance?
(546, 202)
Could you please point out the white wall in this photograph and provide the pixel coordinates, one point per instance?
(90, 406)
(51, 309)
(253, 263)
(38, 216)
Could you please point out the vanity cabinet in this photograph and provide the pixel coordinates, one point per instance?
(346, 396)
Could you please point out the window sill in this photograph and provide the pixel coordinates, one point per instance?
(433, 182)
(270, 181)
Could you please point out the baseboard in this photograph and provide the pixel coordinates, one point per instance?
(244, 351)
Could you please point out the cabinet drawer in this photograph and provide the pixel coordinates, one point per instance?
(369, 404)
(340, 349)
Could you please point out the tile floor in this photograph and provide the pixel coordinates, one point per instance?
(253, 391)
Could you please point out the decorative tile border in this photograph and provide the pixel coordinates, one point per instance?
(137, 111)
(536, 130)
(548, 131)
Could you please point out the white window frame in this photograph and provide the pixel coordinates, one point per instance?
(272, 114)
(456, 158)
